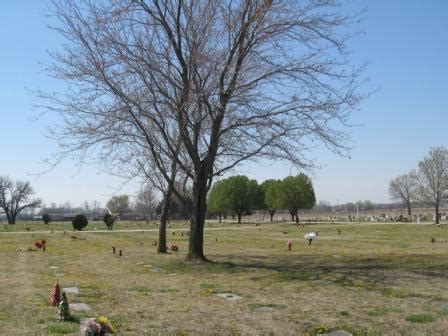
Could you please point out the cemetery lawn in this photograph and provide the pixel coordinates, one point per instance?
(372, 279)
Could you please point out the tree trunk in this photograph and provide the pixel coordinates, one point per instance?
(11, 218)
(271, 213)
(437, 213)
(409, 209)
(197, 220)
(161, 246)
(292, 215)
(239, 216)
(220, 217)
(297, 218)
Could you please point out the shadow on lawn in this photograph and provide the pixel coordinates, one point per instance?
(344, 270)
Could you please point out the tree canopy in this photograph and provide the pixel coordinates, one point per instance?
(432, 179)
(271, 190)
(296, 193)
(403, 189)
(203, 85)
(237, 195)
(216, 201)
(118, 204)
(16, 197)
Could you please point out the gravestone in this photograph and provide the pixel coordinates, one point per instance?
(71, 290)
(86, 326)
(229, 296)
(338, 333)
(265, 309)
(80, 306)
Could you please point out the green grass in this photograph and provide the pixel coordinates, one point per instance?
(63, 328)
(420, 318)
(370, 280)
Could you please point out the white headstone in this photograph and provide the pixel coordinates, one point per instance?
(229, 296)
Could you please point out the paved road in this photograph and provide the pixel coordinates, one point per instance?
(242, 227)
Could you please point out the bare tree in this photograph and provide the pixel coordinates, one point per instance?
(433, 179)
(232, 80)
(16, 197)
(96, 208)
(403, 188)
(86, 209)
(118, 204)
(146, 201)
(67, 206)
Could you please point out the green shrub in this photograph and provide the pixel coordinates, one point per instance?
(109, 220)
(46, 218)
(80, 222)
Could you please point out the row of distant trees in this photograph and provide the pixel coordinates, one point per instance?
(17, 197)
(238, 195)
(145, 203)
(427, 184)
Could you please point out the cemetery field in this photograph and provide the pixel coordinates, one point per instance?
(372, 279)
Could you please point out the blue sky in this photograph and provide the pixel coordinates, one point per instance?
(405, 43)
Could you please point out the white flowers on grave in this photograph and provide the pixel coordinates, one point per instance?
(311, 236)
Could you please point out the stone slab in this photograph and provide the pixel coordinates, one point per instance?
(265, 309)
(54, 267)
(229, 296)
(79, 306)
(71, 290)
(338, 333)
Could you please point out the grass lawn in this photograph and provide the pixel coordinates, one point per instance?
(372, 279)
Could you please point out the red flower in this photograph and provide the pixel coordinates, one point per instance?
(43, 241)
(38, 244)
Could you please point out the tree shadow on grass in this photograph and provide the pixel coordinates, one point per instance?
(375, 269)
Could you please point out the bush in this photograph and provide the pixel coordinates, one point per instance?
(46, 218)
(109, 220)
(80, 222)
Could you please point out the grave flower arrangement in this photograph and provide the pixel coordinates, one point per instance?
(99, 327)
(55, 296)
(174, 247)
(40, 244)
